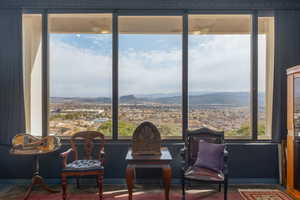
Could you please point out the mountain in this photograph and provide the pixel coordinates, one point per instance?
(216, 98)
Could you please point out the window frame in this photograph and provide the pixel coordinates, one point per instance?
(255, 14)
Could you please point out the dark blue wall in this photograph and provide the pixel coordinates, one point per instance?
(246, 161)
(153, 4)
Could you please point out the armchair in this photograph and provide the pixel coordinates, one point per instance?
(189, 156)
(86, 166)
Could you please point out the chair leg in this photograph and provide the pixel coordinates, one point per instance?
(220, 187)
(77, 183)
(225, 189)
(100, 186)
(64, 187)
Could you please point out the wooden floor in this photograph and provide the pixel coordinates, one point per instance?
(12, 192)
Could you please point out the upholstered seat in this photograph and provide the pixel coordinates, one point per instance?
(196, 173)
(84, 165)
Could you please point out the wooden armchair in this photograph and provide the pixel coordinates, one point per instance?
(86, 166)
(189, 155)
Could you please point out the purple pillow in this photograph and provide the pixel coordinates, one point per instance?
(210, 156)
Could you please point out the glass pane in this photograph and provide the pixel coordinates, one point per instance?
(80, 73)
(32, 71)
(219, 73)
(297, 106)
(150, 73)
(265, 76)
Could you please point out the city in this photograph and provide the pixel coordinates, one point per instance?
(70, 115)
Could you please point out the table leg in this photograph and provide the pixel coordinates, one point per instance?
(28, 192)
(130, 180)
(167, 174)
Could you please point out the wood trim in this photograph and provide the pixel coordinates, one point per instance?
(292, 74)
(292, 70)
(290, 163)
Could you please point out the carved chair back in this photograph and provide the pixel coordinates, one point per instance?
(192, 142)
(88, 138)
(146, 139)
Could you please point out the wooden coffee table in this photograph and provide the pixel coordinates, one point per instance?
(149, 161)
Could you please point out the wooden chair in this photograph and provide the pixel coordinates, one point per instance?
(189, 155)
(86, 166)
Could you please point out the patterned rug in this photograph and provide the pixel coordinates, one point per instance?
(263, 195)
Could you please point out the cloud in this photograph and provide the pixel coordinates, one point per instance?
(216, 63)
(78, 71)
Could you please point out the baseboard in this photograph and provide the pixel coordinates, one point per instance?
(116, 181)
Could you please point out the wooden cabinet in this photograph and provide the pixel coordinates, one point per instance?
(293, 138)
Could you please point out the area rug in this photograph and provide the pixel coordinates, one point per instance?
(263, 195)
(136, 196)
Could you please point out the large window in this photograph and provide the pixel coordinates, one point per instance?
(219, 73)
(80, 73)
(150, 73)
(110, 72)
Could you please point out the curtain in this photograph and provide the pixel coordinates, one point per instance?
(12, 119)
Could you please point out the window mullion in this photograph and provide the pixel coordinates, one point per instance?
(185, 75)
(115, 89)
(254, 71)
(45, 74)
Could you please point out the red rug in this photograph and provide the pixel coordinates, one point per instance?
(263, 195)
(136, 196)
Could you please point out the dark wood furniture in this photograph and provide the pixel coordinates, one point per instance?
(146, 139)
(293, 138)
(149, 161)
(87, 166)
(189, 156)
(28, 145)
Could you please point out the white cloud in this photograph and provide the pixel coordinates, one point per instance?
(216, 63)
(78, 72)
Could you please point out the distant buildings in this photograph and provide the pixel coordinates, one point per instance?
(69, 117)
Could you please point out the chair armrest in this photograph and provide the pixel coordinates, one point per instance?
(102, 156)
(64, 155)
(183, 152)
(225, 170)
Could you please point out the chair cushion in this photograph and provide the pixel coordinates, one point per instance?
(194, 144)
(210, 156)
(84, 165)
(203, 174)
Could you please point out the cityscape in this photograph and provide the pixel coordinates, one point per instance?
(70, 115)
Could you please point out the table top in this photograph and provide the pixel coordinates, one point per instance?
(165, 156)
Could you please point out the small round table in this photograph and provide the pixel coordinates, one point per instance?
(36, 178)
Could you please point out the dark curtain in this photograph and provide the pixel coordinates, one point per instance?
(287, 54)
(12, 120)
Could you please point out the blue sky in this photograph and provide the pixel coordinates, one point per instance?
(80, 64)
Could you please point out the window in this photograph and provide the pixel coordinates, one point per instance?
(80, 73)
(265, 76)
(178, 72)
(219, 73)
(32, 70)
(150, 73)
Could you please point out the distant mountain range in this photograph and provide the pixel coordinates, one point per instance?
(216, 98)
